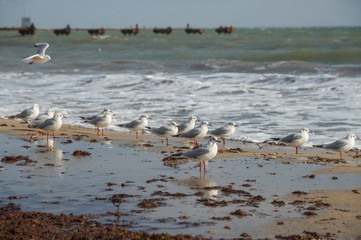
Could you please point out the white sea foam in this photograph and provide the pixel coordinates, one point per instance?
(265, 105)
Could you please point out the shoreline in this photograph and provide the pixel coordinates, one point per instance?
(340, 209)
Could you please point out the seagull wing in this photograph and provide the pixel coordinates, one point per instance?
(192, 133)
(132, 124)
(197, 153)
(41, 48)
(337, 144)
(45, 124)
(292, 137)
(219, 131)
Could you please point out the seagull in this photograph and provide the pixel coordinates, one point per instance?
(296, 139)
(91, 118)
(40, 56)
(28, 114)
(196, 133)
(188, 125)
(42, 118)
(225, 131)
(101, 122)
(137, 125)
(51, 125)
(96, 116)
(165, 131)
(203, 153)
(342, 145)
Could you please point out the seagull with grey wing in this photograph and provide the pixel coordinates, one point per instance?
(196, 133)
(203, 153)
(101, 122)
(165, 131)
(52, 125)
(187, 125)
(225, 131)
(39, 56)
(342, 145)
(28, 114)
(92, 118)
(296, 139)
(137, 125)
(42, 117)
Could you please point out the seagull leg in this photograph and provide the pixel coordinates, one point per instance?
(341, 155)
(204, 164)
(102, 131)
(200, 167)
(167, 142)
(137, 135)
(224, 141)
(297, 150)
(54, 139)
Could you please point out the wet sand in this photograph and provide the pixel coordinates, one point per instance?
(328, 213)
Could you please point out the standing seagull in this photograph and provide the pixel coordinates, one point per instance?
(42, 118)
(203, 153)
(225, 131)
(342, 145)
(40, 56)
(165, 131)
(96, 116)
(137, 125)
(188, 125)
(91, 118)
(52, 125)
(28, 114)
(101, 122)
(197, 133)
(296, 139)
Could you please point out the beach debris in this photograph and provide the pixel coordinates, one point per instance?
(151, 203)
(80, 153)
(13, 159)
(239, 213)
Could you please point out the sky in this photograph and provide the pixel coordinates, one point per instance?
(164, 13)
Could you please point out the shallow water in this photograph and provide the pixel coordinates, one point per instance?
(83, 185)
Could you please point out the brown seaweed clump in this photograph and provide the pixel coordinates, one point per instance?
(79, 153)
(151, 203)
(13, 159)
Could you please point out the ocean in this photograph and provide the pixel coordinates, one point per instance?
(271, 81)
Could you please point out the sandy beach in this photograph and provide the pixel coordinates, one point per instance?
(319, 213)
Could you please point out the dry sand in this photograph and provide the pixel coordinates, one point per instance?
(337, 215)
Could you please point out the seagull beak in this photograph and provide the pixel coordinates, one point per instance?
(310, 132)
(63, 117)
(149, 117)
(357, 138)
(114, 114)
(236, 125)
(197, 119)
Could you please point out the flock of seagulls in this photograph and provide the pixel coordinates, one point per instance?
(51, 121)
